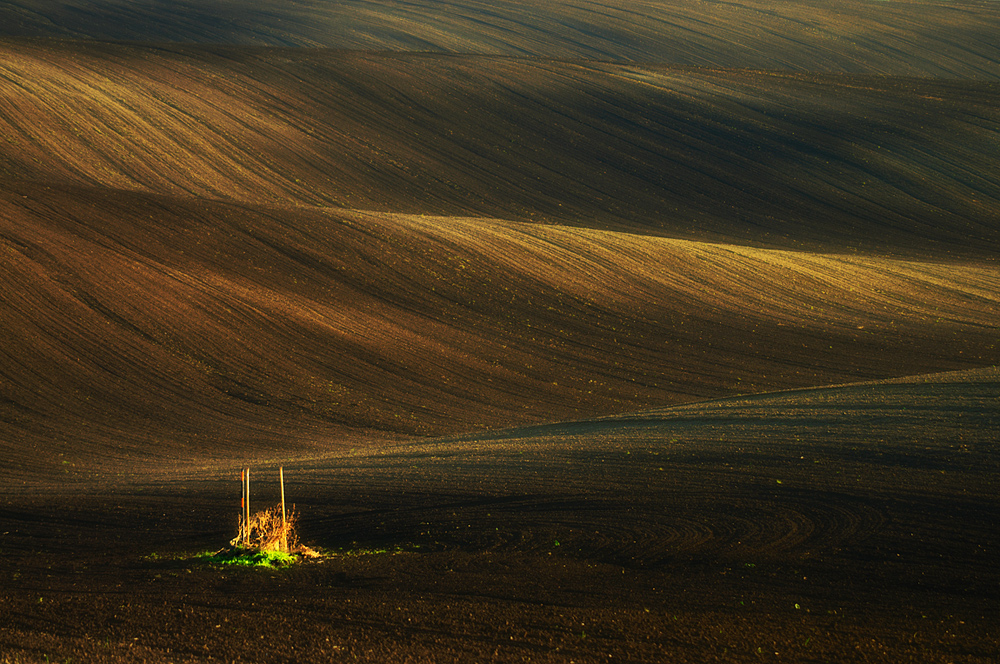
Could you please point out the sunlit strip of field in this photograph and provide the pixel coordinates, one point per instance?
(143, 322)
(825, 163)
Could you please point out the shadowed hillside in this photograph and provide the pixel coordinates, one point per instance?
(921, 439)
(844, 524)
(892, 166)
(137, 320)
(955, 39)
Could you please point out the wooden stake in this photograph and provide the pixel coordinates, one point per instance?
(243, 504)
(246, 536)
(284, 530)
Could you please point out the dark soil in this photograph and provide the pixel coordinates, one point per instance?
(696, 535)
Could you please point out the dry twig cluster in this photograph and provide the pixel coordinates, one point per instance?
(268, 530)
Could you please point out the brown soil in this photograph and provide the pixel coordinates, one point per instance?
(850, 524)
(539, 320)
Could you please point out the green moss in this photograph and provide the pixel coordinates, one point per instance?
(246, 558)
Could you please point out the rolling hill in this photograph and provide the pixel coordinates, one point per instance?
(826, 163)
(231, 324)
(585, 329)
(282, 246)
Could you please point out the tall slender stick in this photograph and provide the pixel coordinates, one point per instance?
(247, 531)
(243, 504)
(284, 528)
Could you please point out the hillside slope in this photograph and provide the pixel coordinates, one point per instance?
(955, 39)
(821, 473)
(889, 166)
(138, 322)
(243, 251)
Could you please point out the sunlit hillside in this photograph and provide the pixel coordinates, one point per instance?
(139, 320)
(233, 249)
(826, 163)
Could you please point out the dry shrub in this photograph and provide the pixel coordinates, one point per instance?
(266, 532)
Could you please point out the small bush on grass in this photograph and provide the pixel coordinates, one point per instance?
(266, 540)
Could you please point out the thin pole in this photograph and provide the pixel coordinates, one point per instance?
(247, 531)
(284, 531)
(243, 504)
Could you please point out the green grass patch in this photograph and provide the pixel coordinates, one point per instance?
(249, 558)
